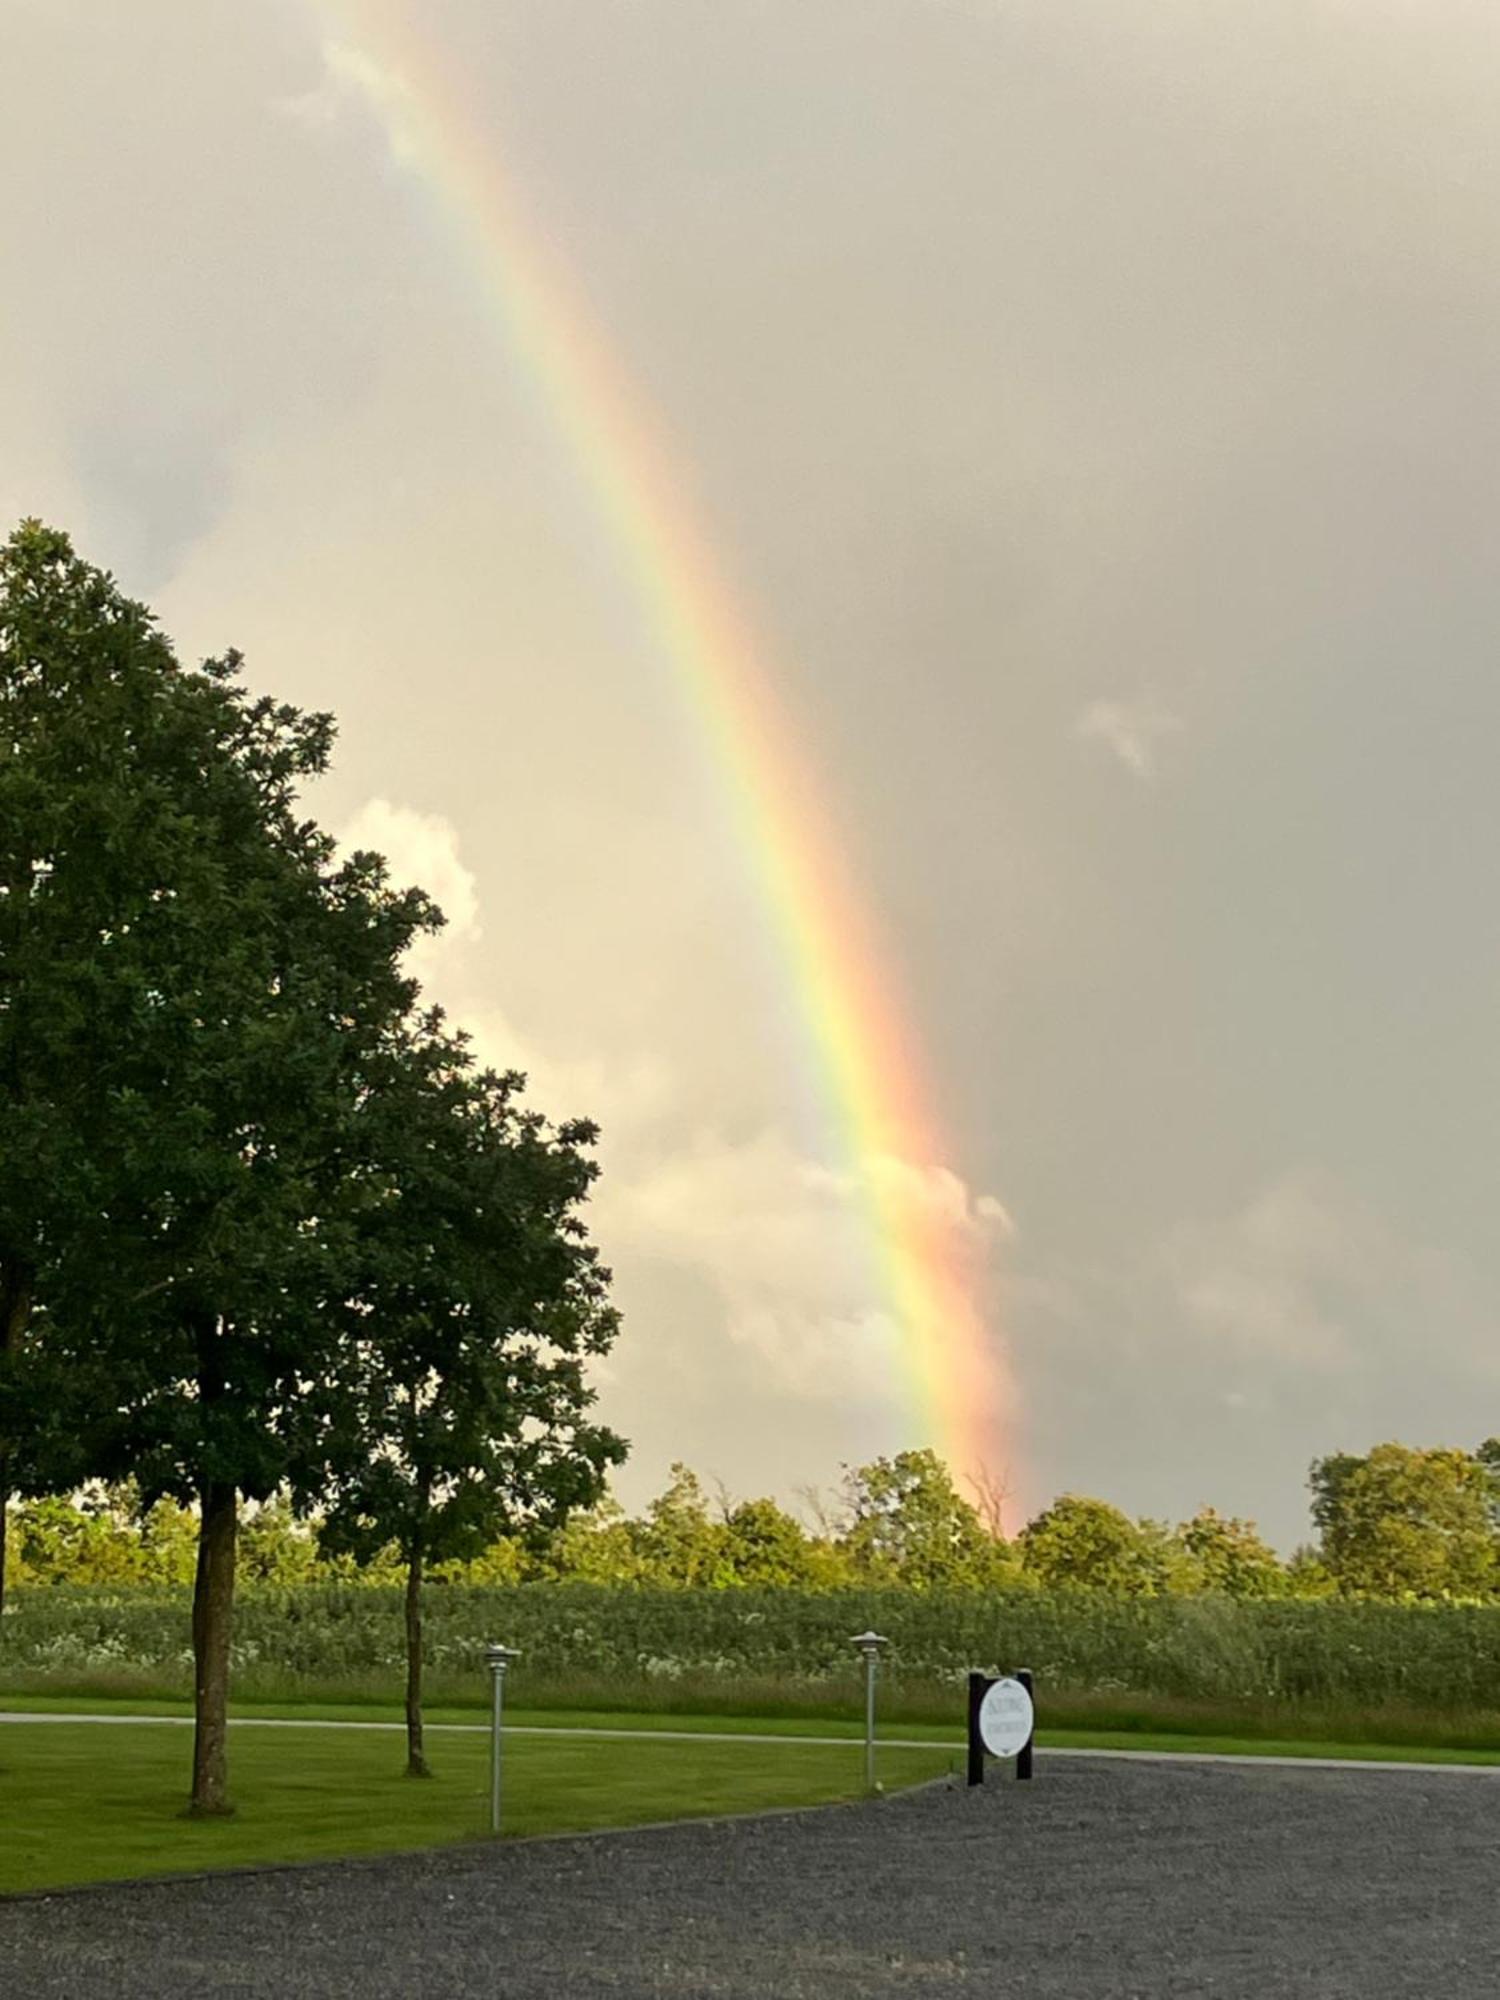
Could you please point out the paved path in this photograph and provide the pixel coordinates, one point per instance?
(954, 1743)
(1101, 1881)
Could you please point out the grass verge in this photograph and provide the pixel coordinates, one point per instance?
(941, 1736)
(89, 1805)
(917, 1708)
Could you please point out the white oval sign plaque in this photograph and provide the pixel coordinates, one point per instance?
(1006, 1718)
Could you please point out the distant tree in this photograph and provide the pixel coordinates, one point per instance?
(1307, 1574)
(1167, 1567)
(679, 1542)
(764, 1546)
(1086, 1544)
(992, 1496)
(908, 1524)
(1230, 1556)
(506, 1560)
(1402, 1522)
(169, 1544)
(86, 1539)
(599, 1544)
(275, 1547)
(1488, 1457)
(457, 1411)
(100, 1535)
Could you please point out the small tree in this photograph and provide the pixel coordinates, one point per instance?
(1307, 1575)
(908, 1524)
(458, 1411)
(765, 1547)
(680, 1543)
(1087, 1544)
(598, 1544)
(1230, 1556)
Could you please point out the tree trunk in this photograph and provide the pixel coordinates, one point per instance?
(15, 1312)
(416, 1756)
(213, 1607)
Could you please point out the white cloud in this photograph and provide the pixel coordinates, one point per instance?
(788, 1245)
(784, 1243)
(635, 1097)
(422, 852)
(350, 76)
(1130, 730)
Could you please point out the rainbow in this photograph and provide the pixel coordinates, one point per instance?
(869, 1072)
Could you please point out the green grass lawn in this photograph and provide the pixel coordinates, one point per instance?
(91, 1804)
(1260, 1746)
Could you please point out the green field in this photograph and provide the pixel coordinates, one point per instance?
(103, 1802)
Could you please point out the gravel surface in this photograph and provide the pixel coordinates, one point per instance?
(1099, 1879)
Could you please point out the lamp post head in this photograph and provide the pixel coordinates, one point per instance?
(498, 1658)
(869, 1643)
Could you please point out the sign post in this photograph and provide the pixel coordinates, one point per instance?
(1002, 1721)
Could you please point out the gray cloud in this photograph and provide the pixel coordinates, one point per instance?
(1037, 369)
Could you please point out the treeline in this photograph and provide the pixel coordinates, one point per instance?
(1397, 1523)
(268, 1233)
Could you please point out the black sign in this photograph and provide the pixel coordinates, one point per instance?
(1002, 1721)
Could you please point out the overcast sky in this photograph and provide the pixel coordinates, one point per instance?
(1096, 403)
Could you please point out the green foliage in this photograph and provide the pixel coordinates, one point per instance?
(1400, 1522)
(678, 1543)
(1229, 1556)
(275, 1547)
(905, 1526)
(1488, 1457)
(192, 983)
(598, 1545)
(1307, 1574)
(102, 1536)
(56, 1541)
(455, 1409)
(765, 1548)
(908, 1523)
(1084, 1544)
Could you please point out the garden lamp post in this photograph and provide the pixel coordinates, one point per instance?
(870, 1644)
(497, 1659)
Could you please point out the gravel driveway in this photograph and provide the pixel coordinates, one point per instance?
(1098, 1879)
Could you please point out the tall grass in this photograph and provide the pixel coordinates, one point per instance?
(1122, 1662)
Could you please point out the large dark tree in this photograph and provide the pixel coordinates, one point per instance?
(194, 994)
(100, 774)
(462, 1412)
